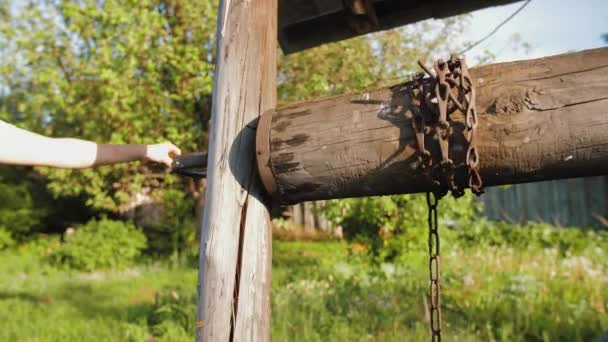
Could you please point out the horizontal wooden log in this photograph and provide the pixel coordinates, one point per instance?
(539, 120)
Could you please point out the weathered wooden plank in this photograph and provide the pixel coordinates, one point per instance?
(234, 278)
(539, 119)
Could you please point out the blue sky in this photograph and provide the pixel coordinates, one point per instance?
(549, 26)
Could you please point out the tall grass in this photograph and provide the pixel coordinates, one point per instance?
(40, 303)
(490, 293)
(495, 290)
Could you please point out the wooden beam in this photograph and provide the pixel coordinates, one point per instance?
(539, 119)
(235, 258)
(304, 24)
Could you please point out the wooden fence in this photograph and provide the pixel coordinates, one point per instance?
(569, 202)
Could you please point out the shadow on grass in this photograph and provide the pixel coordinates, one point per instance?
(23, 296)
(89, 301)
(93, 303)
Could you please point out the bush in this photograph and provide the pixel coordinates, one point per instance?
(18, 213)
(28, 208)
(101, 244)
(389, 225)
(174, 309)
(5, 238)
(175, 233)
(531, 236)
(40, 245)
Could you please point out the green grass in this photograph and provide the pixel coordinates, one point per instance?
(489, 293)
(39, 303)
(510, 301)
(324, 292)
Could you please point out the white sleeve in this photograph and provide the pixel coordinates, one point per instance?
(21, 147)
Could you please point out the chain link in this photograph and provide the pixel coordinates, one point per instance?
(449, 89)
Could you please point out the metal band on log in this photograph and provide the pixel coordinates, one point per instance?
(538, 120)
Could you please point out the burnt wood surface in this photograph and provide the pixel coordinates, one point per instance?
(539, 119)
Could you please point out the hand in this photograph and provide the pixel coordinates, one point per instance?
(162, 153)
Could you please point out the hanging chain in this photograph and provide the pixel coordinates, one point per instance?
(451, 88)
(434, 267)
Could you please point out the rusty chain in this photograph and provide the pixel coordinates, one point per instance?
(434, 267)
(434, 99)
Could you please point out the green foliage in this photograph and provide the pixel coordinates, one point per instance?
(28, 208)
(101, 244)
(18, 215)
(141, 71)
(489, 293)
(174, 309)
(283, 224)
(50, 304)
(6, 240)
(368, 61)
(40, 245)
(108, 71)
(393, 224)
(20, 211)
(175, 233)
(530, 236)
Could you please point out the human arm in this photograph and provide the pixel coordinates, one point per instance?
(21, 147)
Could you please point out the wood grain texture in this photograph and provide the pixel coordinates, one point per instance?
(235, 258)
(539, 119)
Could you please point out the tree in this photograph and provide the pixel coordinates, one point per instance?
(366, 61)
(141, 71)
(108, 71)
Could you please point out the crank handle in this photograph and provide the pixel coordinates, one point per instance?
(191, 165)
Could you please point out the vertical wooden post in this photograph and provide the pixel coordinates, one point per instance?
(235, 259)
(297, 216)
(310, 223)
